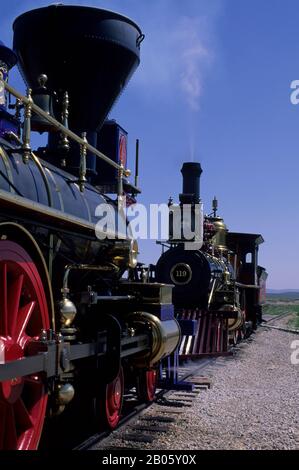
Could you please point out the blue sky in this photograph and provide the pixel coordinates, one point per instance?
(214, 85)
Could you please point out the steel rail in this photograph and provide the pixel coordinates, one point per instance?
(125, 420)
(281, 328)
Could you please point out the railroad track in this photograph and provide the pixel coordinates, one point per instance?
(138, 428)
(142, 423)
(281, 328)
(273, 319)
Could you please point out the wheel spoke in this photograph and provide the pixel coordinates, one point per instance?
(23, 320)
(22, 415)
(14, 298)
(10, 429)
(3, 300)
(23, 313)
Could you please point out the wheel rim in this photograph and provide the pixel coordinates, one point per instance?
(114, 399)
(151, 383)
(23, 314)
(146, 385)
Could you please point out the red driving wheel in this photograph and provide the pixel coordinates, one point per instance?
(23, 314)
(109, 402)
(147, 384)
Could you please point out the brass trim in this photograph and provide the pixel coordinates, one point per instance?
(28, 102)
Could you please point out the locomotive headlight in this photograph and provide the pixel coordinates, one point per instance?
(133, 256)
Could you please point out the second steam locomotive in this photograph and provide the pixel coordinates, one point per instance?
(218, 285)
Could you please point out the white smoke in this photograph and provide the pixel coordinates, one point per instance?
(193, 58)
(175, 58)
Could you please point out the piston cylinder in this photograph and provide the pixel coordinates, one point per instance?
(165, 337)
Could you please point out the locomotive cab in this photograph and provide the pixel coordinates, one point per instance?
(250, 276)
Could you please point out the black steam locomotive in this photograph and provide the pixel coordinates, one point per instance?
(219, 287)
(71, 323)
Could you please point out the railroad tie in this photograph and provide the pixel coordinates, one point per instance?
(186, 394)
(170, 410)
(201, 382)
(162, 419)
(175, 403)
(137, 437)
(201, 388)
(182, 399)
(154, 428)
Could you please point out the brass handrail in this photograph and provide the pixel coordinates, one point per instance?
(36, 109)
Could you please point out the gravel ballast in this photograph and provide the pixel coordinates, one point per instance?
(252, 404)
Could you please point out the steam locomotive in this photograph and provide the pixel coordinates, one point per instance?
(72, 323)
(219, 288)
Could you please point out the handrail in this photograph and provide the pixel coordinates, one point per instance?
(61, 127)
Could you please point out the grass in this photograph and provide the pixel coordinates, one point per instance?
(283, 303)
(294, 322)
(280, 306)
(272, 309)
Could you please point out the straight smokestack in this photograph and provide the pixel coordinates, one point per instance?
(191, 183)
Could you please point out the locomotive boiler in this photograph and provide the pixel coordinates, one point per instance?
(75, 332)
(218, 284)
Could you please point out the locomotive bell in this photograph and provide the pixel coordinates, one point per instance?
(44, 100)
(219, 239)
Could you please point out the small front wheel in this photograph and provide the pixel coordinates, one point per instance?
(146, 385)
(109, 402)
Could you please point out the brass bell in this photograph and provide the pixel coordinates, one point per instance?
(44, 100)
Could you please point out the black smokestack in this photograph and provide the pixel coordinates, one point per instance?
(88, 52)
(191, 183)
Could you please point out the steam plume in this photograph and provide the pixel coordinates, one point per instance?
(194, 57)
